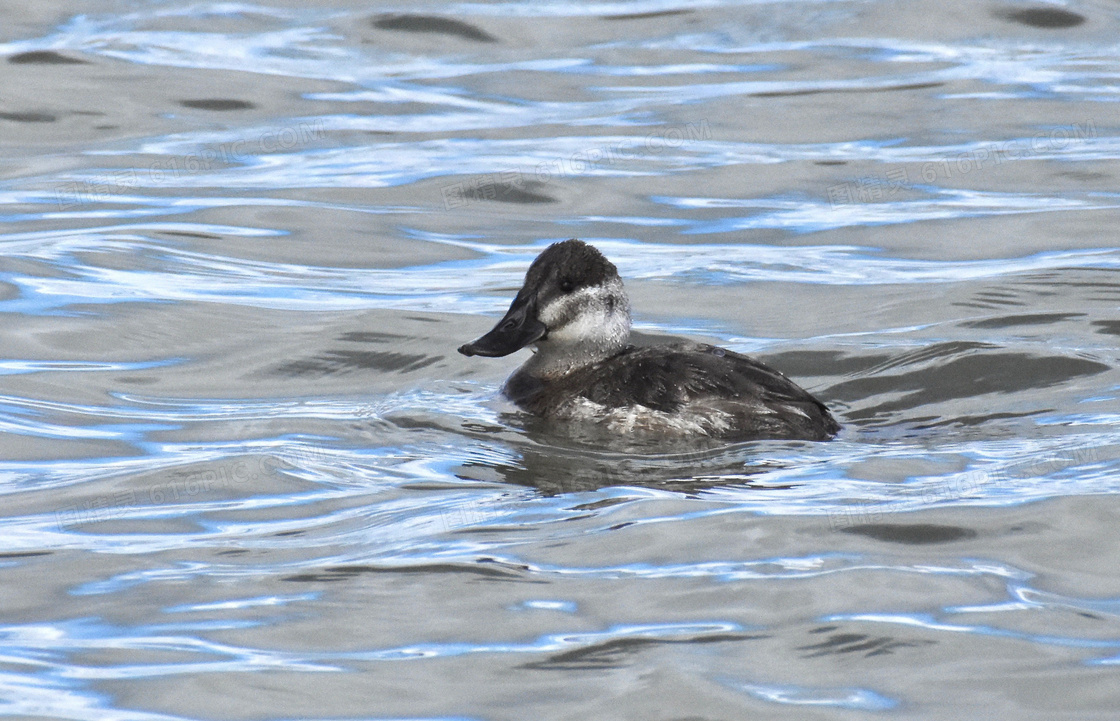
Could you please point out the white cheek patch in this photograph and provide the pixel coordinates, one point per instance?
(592, 316)
(578, 316)
(587, 326)
(567, 306)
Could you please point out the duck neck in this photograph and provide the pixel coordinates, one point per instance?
(550, 363)
(597, 334)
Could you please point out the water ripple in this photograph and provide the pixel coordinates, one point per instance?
(241, 241)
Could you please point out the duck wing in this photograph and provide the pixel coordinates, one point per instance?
(672, 379)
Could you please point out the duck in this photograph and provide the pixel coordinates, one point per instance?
(573, 310)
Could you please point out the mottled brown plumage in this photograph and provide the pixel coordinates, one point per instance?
(691, 380)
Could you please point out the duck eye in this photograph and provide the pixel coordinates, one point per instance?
(567, 286)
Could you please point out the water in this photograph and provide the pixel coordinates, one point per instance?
(246, 476)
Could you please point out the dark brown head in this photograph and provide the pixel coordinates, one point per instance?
(572, 297)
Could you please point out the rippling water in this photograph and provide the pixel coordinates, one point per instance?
(245, 475)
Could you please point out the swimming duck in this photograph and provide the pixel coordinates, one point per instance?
(574, 311)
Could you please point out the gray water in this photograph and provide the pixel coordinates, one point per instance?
(246, 476)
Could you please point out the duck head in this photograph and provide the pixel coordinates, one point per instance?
(572, 308)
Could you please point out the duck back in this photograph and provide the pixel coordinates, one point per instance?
(682, 389)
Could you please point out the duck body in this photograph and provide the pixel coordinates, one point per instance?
(574, 311)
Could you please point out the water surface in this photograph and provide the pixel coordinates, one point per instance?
(246, 476)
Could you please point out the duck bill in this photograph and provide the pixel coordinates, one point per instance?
(516, 330)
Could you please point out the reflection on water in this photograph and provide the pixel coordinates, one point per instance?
(245, 474)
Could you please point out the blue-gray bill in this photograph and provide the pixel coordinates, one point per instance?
(517, 329)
